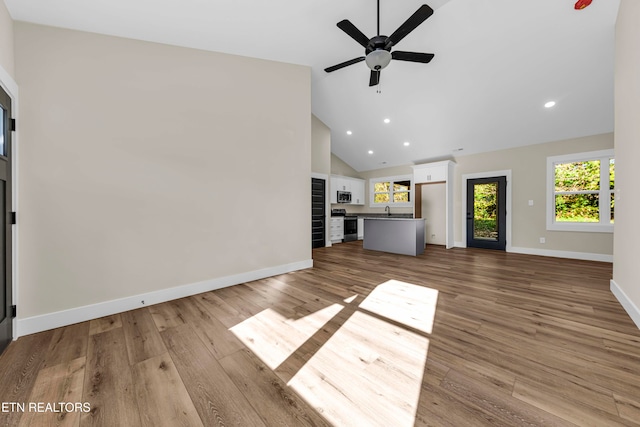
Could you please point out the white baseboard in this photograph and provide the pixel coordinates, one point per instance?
(587, 256)
(563, 254)
(31, 325)
(632, 310)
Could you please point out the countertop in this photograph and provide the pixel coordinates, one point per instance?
(382, 215)
(390, 218)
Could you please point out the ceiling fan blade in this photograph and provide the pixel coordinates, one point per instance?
(375, 78)
(412, 56)
(346, 26)
(410, 24)
(345, 64)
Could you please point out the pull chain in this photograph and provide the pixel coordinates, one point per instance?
(378, 85)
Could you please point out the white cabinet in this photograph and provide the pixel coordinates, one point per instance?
(336, 183)
(344, 183)
(337, 229)
(357, 192)
(340, 183)
(431, 172)
(360, 228)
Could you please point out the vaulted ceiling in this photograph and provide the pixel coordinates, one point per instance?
(497, 62)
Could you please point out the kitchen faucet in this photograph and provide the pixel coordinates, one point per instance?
(387, 209)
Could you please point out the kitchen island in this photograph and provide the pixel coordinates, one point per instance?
(396, 235)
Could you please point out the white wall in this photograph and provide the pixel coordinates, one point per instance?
(6, 40)
(145, 167)
(626, 268)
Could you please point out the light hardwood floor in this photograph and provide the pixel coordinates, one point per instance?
(458, 337)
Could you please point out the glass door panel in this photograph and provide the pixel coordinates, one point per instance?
(485, 219)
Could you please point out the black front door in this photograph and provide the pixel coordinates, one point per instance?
(487, 213)
(6, 330)
(317, 213)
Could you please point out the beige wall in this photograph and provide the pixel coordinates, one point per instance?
(626, 268)
(320, 147)
(434, 210)
(528, 166)
(379, 173)
(145, 166)
(339, 167)
(6, 40)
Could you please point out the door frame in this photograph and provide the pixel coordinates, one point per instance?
(490, 174)
(11, 87)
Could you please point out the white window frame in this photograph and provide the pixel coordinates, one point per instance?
(391, 203)
(604, 226)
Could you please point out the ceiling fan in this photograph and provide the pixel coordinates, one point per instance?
(378, 48)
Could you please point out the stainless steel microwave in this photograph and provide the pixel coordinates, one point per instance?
(344, 197)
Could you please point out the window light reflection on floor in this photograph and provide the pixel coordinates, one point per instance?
(369, 371)
(273, 337)
(409, 304)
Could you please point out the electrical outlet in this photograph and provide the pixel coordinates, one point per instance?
(543, 240)
(530, 202)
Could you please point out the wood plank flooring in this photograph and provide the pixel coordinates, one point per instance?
(460, 337)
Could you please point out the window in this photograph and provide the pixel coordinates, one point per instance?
(580, 191)
(392, 191)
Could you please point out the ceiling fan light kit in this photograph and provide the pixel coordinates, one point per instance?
(378, 59)
(378, 48)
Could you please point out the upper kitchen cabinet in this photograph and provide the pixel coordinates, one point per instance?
(431, 172)
(342, 183)
(357, 192)
(354, 186)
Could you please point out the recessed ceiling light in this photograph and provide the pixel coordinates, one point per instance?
(349, 132)
(407, 143)
(370, 152)
(549, 104)
(387, 121)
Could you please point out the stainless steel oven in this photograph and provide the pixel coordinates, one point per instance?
(350, 228)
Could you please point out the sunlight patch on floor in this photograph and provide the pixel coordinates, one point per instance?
(365, 370)
(406, 303)
(350, 299)
(274, 337)
(368, 373)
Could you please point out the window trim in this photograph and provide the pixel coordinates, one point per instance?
(391, 179)
(595, 227)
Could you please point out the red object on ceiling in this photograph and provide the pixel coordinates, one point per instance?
(581, 4)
